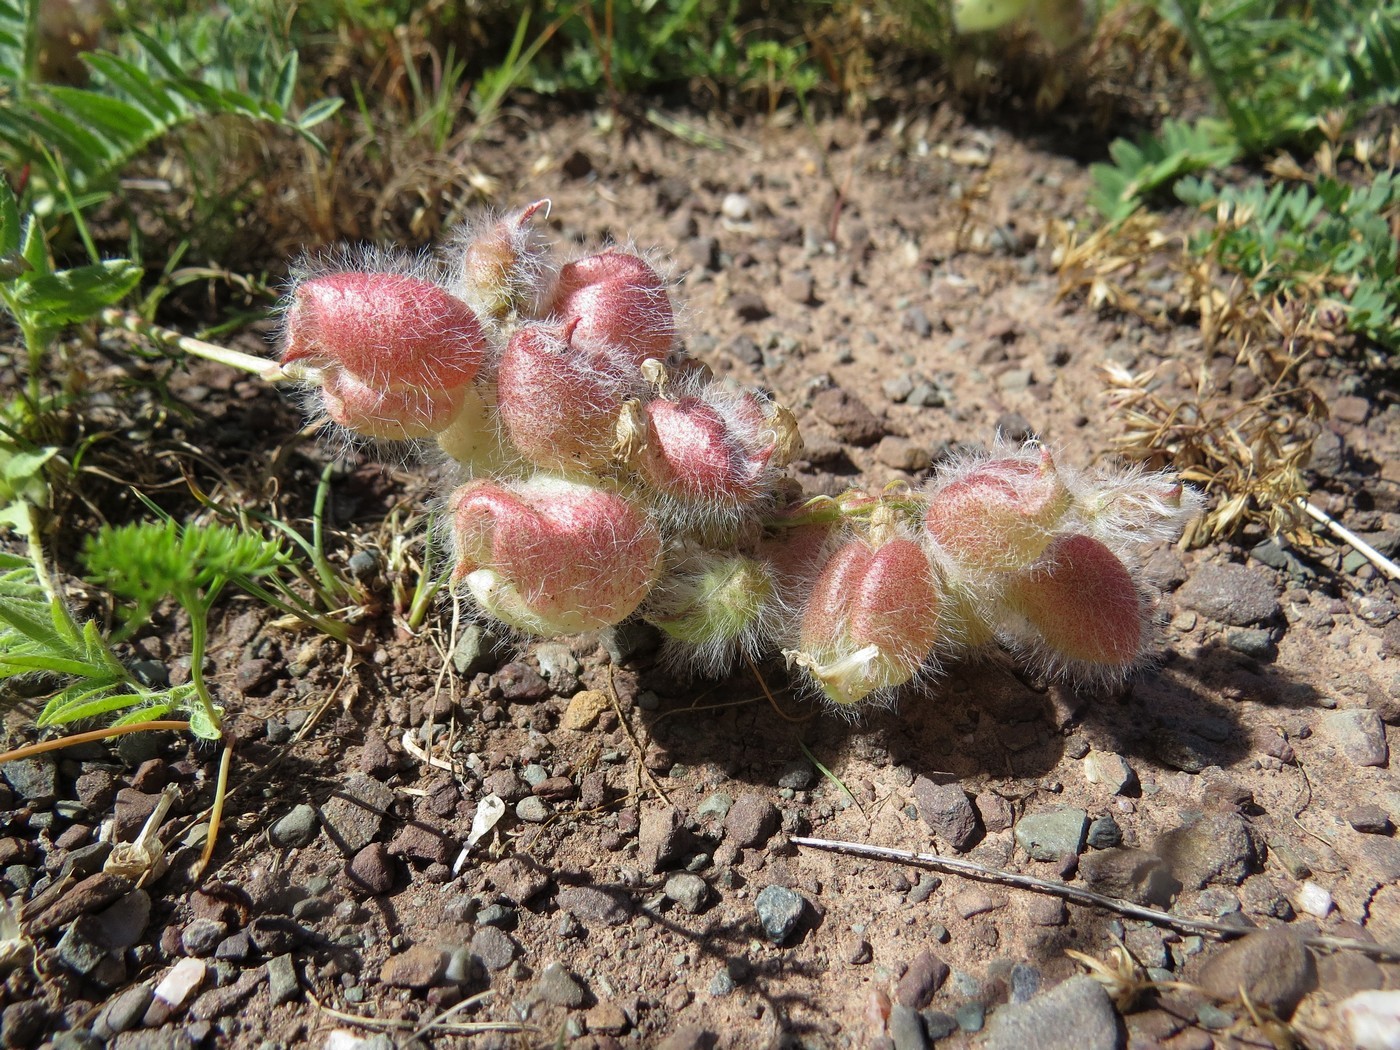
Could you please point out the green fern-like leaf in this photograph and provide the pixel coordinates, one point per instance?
(148, 562)
(40, 639)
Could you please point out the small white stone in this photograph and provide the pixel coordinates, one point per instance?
(1110, 770)
(1373, 1019)
(735, 207)
(1314, 900)
(181, 982)
(341, 1039)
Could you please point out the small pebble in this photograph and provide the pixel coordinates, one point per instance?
(1314, 900)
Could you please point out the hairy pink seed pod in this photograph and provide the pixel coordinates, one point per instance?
(1084, 606)
(872, 619)
(387, 329)
(559, 402)
(552, 556)
(710, 452)
(998, 515)
(1127, 507)
(619, 302)
(390, 414)
(503, 267)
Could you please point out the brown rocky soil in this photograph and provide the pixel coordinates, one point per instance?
(895, 287)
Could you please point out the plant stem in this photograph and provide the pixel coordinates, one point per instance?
(271, 371)
(198, 610)
(30, 750)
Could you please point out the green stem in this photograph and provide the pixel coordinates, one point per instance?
(271, 371)
(198, 611)
(332, 583)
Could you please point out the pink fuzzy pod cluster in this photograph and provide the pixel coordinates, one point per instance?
(605, 476)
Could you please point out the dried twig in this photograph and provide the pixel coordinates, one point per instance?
(636, 746)
(1350, 538)
(973, 870)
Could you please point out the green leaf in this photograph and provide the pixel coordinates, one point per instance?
(9, 219)
(201, 726)
(84, 700)
(78, 294)
(318, 112)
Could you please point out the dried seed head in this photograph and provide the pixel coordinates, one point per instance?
(560, 402)
(505, 265)
(619, 302)
(871, 621)
(998, 515)
(551, 556)
(1084, 608)
(386, 329)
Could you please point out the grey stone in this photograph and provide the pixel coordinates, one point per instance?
(1104, 833)
(906, 1028)
(201, 936)
(495, 948)
(899, 388)
(122, 924)
(1053, 834)
(1358, 735)
(971, 1017)
(282, 983)
(81, 947)
(297, 827)
(1232, 594)
(85, 860)
(1074, 1015)
(354, 815)
(498, 915)
(1110, 771)
(779, 911)
(1219, 849)
(1273, 966)
(717, 804)
(628, 639)
(559, 987)
(689, 891)
(796, 776)
(1254, 642)
(475, 651)
(1182, 750)
(594, 905)
(125, 1010)
(35, 780)
(946, 809)
(939, 1025)
(532, 810)
(1131, 874)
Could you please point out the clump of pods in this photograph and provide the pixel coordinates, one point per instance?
(604, 475)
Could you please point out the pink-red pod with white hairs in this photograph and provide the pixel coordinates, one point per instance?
(552, 556)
